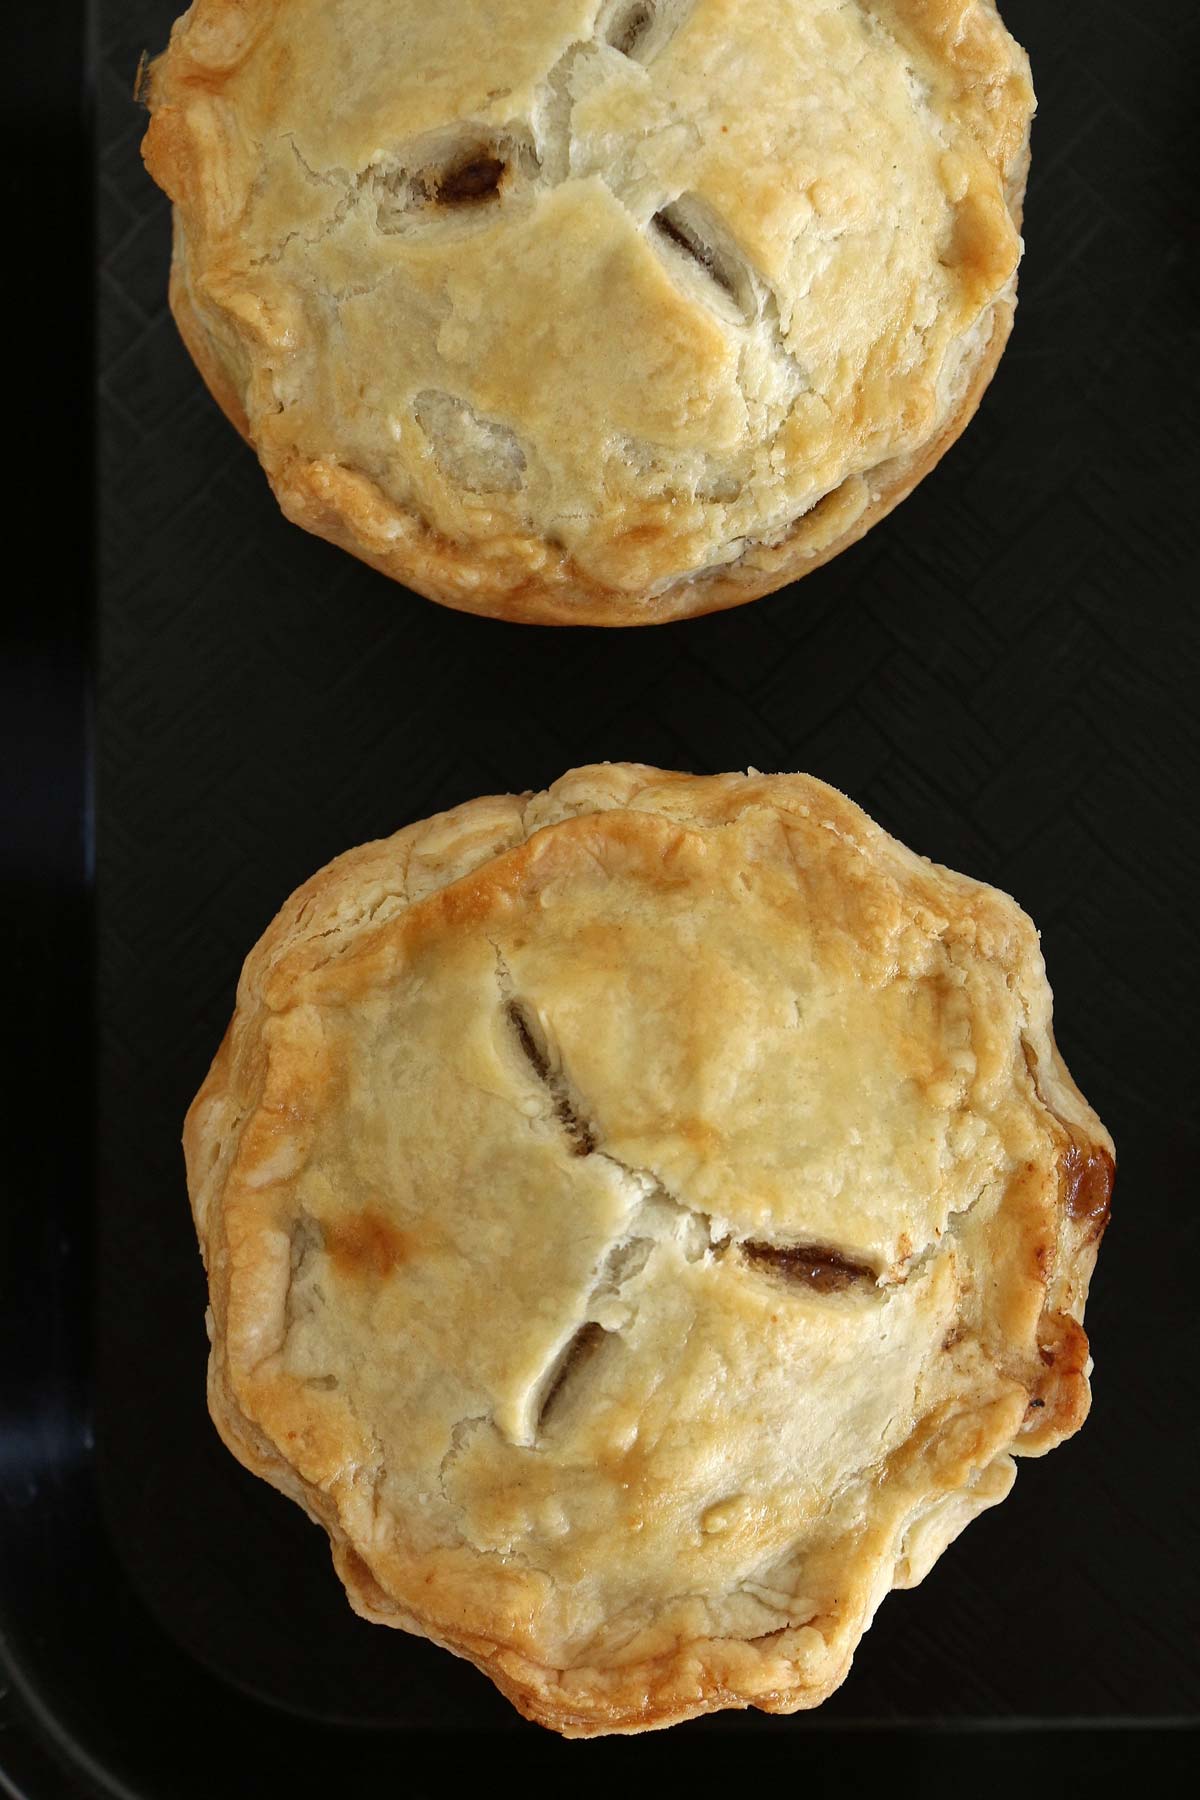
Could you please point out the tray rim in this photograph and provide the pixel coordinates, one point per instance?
(45, 1329)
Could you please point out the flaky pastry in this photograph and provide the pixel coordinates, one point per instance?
(593, 311)
(643, 1222)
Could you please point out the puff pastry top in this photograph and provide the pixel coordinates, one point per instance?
(643, 1219)
(593, 310)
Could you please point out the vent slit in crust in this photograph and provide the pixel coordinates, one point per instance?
(472, 181)
(811, 1266)
(689, 229)
(628, 27)
(444, 176)
(581, 1350)
(640, 29)
(580, 1133)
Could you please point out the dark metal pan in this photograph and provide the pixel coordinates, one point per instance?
(1004, 674)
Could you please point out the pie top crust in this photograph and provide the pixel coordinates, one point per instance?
(595, 311)
(643, 1221)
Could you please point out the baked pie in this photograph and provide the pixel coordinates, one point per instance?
(643, 1221)
(593, 311)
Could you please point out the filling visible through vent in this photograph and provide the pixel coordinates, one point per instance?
(686, 227)
(640, 29)
(583, 1140)
(629, 26)
(578, 1353)
(455, 172)
(477, 179)
(811, 1266)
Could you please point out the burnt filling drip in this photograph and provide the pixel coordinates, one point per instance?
(824, 1271)
(579, 1132)
(1087, 1181)
(1086, 1172)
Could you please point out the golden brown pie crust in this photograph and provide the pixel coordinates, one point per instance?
(643, 1222)
(672, 376)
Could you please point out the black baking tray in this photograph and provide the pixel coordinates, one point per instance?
(1005, 674)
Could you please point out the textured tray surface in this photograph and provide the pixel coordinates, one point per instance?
(1003, 674)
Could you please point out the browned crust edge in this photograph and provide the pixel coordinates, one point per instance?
(814, 539)
(754, 574)
(695, 1678)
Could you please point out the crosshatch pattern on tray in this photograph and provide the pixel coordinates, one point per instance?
(1001, 674)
